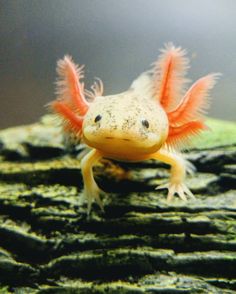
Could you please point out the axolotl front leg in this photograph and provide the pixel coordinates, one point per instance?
(91, 190)
(178, 173)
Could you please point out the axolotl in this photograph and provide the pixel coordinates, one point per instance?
(154, 119)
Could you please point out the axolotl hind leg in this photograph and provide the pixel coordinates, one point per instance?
(91, 189)
(178, 173)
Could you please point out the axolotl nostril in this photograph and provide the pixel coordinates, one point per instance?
(153, 119)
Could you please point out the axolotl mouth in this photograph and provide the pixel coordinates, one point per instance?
(123, 146)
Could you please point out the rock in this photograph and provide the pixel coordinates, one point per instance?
(140, 244)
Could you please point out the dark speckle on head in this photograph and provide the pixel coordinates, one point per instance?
(128, 123)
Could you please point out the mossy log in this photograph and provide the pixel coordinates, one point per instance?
(140, 244)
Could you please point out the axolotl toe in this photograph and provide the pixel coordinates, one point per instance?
(153, 119)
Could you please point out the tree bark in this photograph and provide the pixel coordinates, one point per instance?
(140, 244)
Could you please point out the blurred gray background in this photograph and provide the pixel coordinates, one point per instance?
(116, 40)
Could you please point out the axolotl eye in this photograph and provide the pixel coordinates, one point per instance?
(145, 123)
(97, 118)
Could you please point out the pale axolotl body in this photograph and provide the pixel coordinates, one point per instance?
(149, 121)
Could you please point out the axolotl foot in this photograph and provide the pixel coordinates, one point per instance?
(180, 189)
(92, 193)
(179, 167)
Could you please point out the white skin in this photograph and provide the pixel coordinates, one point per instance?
(129, 127)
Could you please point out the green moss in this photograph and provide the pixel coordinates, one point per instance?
(221, 133)
(4, 290)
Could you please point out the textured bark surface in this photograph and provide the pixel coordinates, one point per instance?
(140, 244)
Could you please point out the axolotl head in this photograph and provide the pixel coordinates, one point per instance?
(125, 125)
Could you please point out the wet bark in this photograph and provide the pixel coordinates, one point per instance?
(140, 244)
